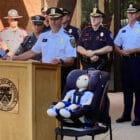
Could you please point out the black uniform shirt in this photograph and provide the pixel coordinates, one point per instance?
(93, 40)
(73, 31)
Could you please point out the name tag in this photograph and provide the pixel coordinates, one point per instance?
(44, 40)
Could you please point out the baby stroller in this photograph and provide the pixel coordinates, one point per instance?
(99, 120)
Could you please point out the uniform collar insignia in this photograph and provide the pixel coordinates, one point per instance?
(70, 31)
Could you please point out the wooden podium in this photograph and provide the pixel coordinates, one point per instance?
(27, 90)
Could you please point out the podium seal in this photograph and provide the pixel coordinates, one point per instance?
(8, 95)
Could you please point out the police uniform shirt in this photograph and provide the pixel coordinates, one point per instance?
(55, 45)
(13, 39)
(128, 37)
(93, 40)
(73, 31)
(84, 98)
(27, 43)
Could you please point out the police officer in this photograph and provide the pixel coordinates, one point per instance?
(72, 31)
(30, 40)
(13, 35)
(43, 11)
(66, 24)
(56, 45)
(127, 44)
(95, 43)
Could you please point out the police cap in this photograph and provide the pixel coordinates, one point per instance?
(38, 19)
(13, 14)
(132, 8)
(43, 10)
(65, 11)
(54, 12)
(96, 13)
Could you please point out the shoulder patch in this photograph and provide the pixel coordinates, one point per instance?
(73, 42)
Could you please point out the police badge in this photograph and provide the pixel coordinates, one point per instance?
(8, 95)
(70, 31)
(101, 34)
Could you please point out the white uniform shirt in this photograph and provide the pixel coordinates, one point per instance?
(13, 39)
(54, 45)
(128, 37)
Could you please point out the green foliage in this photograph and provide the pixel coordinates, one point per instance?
(87, 6)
